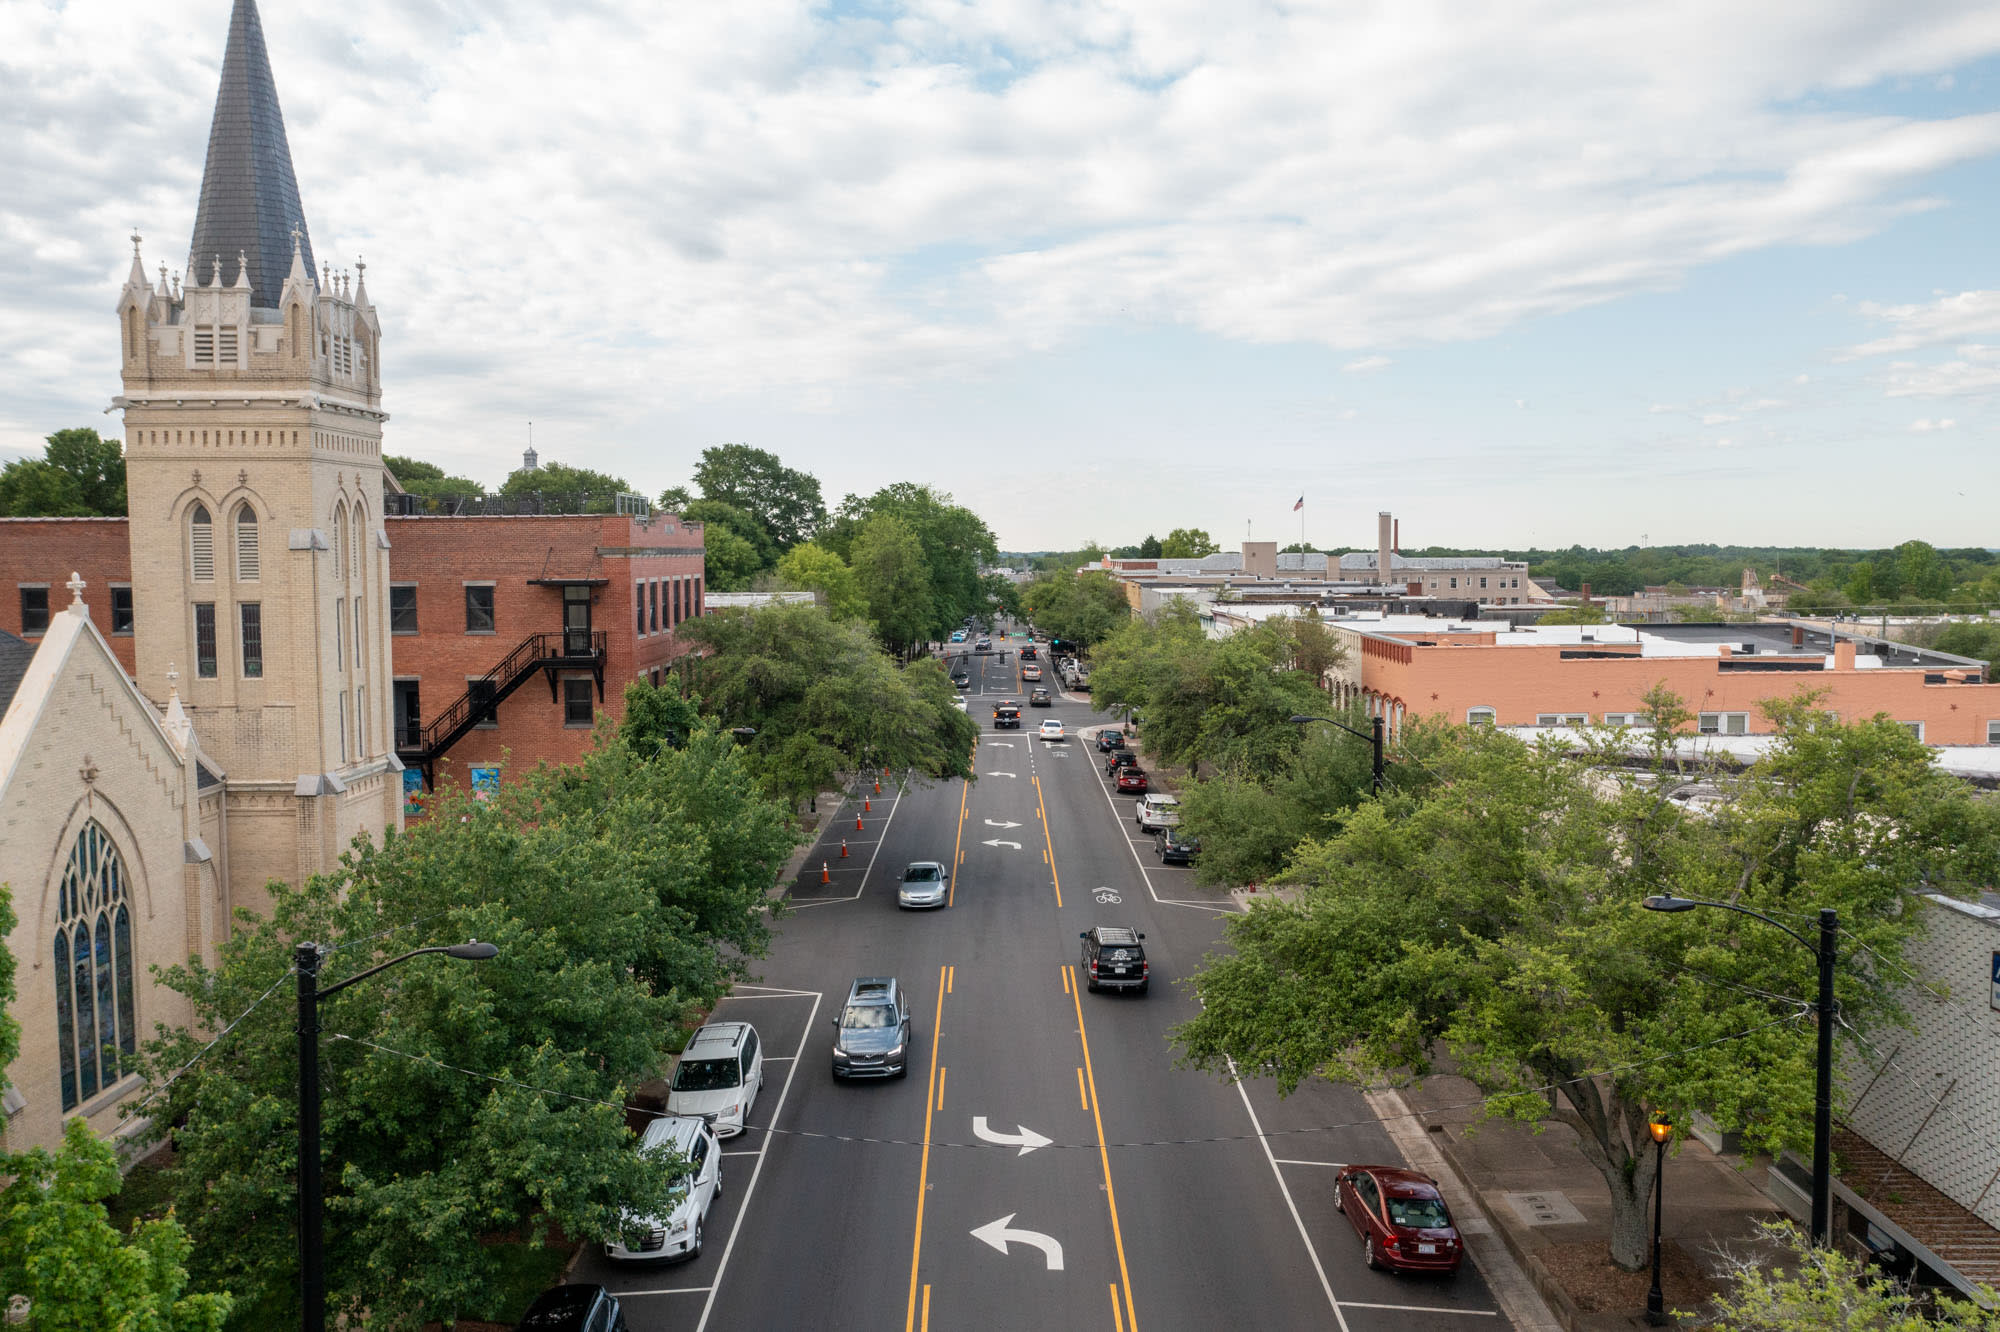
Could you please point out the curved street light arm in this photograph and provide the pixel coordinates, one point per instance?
(1739, 910)
(1301, 719)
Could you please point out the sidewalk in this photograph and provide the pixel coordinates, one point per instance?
(1551, 1208)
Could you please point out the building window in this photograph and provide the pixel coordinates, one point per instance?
(361, 721)
(479, 608)
(1480, 716)
(121, 609)
(252, 614)
(1454, 584)
(246, 544)
(1562, 719)
(1993, 733)
(1723, 723)
(204, 344)
(1914, 728)
(1636, 719)
(201, 544)
(360, 640)
(577, 702)
(483, 706)
(204, 639)
(339, 526)
(1482, 582)
(343, 726)
(96, 1025)
(34, 610)
(339, 633)
(639, 599)
(653, 597)
(402, 608)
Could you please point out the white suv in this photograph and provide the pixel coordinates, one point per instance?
(677, 1232)
(720, 1073)
(1158, 811)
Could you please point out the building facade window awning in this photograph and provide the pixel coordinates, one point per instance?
(569, 582)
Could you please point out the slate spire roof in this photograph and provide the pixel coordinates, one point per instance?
(249, 197)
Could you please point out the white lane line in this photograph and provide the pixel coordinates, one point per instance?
(675, 1290)
(1423, 1308)
(1264, 1142)
(779, 1059)
(894, 805)
(1283, 1161)
(757, 1171)
(767, 989)
(1152, 892)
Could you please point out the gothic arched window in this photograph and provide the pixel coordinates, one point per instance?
(360, 537)
(340, 541)
(246, 544)
(96, 1026)
(201, 543)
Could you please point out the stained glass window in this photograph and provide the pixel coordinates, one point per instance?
(96, 1000)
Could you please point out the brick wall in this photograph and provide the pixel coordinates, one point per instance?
(49, 550)
(524, 559)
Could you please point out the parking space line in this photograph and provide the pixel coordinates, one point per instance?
(676, 1290)
(1287, 1161)
(924, 1170)
(1422, 1308)
(1271, 1156)
(757, 1171)
(895, 804)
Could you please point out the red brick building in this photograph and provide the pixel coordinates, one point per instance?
(507, 632)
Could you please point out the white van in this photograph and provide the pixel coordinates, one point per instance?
(720, 1073)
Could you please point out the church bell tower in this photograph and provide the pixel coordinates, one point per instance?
(253, 444)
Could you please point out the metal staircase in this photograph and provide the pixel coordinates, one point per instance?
(549, 653)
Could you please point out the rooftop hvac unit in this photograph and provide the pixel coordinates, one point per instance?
(1748, 649)
(1590, 638)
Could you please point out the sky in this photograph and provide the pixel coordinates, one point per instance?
(1540, 273)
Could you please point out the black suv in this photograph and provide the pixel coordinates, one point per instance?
(872, 1034)
(1176, 847)
(574, 1308)
(1114, 958)
(1119, 758)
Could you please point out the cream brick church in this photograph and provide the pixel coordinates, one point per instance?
(137, 813)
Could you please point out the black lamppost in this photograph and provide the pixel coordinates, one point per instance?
(1656, 1300)
(1374, 739)
(1824, 1010)
(312, 1259)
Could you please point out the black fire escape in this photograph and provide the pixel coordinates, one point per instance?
(549, 653)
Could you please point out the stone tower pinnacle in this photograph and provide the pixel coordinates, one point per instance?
(249, 196)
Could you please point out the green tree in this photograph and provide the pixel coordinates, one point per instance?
(1149, 549)
(811, 567)
(890, 572)
(1083, 608)
(825, 701)
(1497, 920)
(737, 547)
(620, 891)
(78, 475)
(1586, 613)
(675, 498)
(417, 477)
(956, 544)
(1978, 641)
(657, 718)
(786, 503)
(1004, 594)
(554, 479)
(1921, 573)
(1800, 1288)
(1187, 543)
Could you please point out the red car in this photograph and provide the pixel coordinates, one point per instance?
(1133, 780)
(1401, 1218)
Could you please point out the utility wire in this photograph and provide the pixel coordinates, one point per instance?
(1072, 1146)
(175, 1076)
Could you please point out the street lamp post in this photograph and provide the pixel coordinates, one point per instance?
(312, 1259)
(1824, 1011)
(1656, 1300)
(1374, 739)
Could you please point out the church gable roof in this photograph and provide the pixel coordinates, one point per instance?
(15, 654)
(249, 196)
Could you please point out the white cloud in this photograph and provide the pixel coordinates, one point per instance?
(585, 212)
(1366, 364)
(1924, 427)
(1945, 320)
(1718, 418)
(1977, 370)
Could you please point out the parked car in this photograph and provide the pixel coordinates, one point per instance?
(1401, 1217)
(677, 1232)
(1039, 698)
(720, 1073)
(1052, 729)
(1132, 780)
(925, 884)
(1119, 758)
(1175, 847)
(1157, 811)
(1114, 958)
(574, 1308)
(872, 1034)
(1111, 739)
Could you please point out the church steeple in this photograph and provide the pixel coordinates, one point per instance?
(249, 196)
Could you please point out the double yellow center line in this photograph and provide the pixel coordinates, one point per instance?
(924, 1171)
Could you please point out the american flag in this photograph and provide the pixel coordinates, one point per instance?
(1300, 505)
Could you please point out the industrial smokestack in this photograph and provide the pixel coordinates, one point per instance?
(1397, 545)
(1385, 537)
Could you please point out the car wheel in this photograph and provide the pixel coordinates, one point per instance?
(903, 1071)
(1368, 1252)
(694, 1245)
(716, 1197)
(1338, 1204)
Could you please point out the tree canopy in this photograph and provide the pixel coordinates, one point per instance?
(1187, 543)
(825, 702)
(1802, 1288)
(1495, 917)
(554, 478)
(785, 502)
(737, 546)
(418, 477)
(463, 1100)
(890, 573)
(1084, 608)
(79, 475)
(811, 567)
(955, 542)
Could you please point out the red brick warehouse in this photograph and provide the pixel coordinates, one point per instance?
(509, 632)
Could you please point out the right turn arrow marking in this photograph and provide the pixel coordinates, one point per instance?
(1027, 1139)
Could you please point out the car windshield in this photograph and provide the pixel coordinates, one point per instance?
(1419, 1213)
(699, 1075)
(921, 874)
(865, 1016)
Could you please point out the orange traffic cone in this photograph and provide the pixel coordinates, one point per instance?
(878, 788)
(843, 848)
(867, 806)
(885, 772)
(824, 877)
(857, 823)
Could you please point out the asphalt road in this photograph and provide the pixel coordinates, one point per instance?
(1165, 1198)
